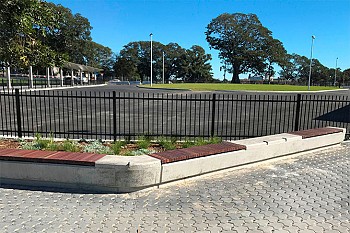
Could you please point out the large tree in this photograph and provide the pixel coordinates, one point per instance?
(25, 30)
(198, 68)
(179, 63)
(244, 44)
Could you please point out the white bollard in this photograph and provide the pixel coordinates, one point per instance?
(48, 76)
(31, 85)
(72, 82)
(8, 75)
(61, 76)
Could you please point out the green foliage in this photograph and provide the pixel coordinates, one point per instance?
(200, 142)
(42, 34)
(215, 140)
(70, 146)
(138, 152)
(117, 146)
(180, 64)
(167, 144)
(97, 147)
(37, 144)
(244, 44)
(143, 142)
(188, 143)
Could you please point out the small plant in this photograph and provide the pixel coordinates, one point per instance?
(117, 146)
(138, 152)
(143, 142)
(200, 142)
(37, 144)
(97, 147)
(215, 140)
(54, 147)
(70, 146)
(166, 144)
(188, 143)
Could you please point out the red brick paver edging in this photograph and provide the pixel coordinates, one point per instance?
(309, 133)
(72, 158)
(197, 151)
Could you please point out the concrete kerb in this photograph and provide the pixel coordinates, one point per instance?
(127, 174)
(171, 89)
(62, 88)
(286, 92)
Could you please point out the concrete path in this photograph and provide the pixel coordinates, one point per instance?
(305, 193)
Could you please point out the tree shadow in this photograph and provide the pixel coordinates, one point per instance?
(339, 115)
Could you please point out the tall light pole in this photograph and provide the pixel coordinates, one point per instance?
(312, 47)
(163, 68)
(335, 71)
(151, 59)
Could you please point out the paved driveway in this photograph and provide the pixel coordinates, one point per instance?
(307, 193)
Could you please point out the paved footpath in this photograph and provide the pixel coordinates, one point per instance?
(305, 193)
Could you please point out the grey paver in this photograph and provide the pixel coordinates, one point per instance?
(308, 193)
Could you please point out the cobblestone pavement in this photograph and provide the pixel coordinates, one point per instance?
(305, 193)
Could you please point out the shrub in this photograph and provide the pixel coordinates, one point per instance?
(97, 147)
(215, 140)
(117, 146)
(37, 144)
(143, 143)
(166, 144)
(188, 143)
(70, 146)
(138, 152)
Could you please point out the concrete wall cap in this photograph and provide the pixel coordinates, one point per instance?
(127, 161)
(268, 140)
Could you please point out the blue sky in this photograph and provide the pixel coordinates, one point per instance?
(118, 22)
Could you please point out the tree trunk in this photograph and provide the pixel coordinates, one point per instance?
(235, 77)
(235, 74)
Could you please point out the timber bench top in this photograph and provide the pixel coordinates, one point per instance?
(196, 151)
(72, 158)
(309, 133)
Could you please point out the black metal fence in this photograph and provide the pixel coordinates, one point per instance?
(23, 83)
(112, 115)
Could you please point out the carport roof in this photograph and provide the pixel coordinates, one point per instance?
(74, 66)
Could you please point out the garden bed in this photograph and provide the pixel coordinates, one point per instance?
(142, 146)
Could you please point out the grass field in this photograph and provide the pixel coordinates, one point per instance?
(241, 87)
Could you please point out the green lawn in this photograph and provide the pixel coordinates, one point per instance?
(229, 86)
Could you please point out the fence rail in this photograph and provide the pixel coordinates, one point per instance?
(24, 83)
(113, 115)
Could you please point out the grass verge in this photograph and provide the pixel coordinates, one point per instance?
(238, 87)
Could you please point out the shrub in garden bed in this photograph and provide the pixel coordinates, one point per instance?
(142, 146)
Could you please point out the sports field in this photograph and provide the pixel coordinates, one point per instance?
(240, 87)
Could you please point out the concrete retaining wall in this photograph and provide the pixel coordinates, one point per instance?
(127, 174)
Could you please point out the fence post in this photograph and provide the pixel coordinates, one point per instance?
(18, 113)
(114, 116)
(213, 115)
(297, 113)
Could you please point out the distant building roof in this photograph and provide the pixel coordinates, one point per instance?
(74, 66)
(256, 78)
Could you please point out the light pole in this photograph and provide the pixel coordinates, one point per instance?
(312, 47)
(335, 71)
(163, 67)
(151, 59)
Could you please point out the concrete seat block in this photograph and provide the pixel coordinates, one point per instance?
(261, 142)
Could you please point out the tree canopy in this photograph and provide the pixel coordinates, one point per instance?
(38, 33)
(187, 65)
(244, 44)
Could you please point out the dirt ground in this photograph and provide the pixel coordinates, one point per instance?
(9, 144)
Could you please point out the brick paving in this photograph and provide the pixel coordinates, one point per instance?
(307, 193)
